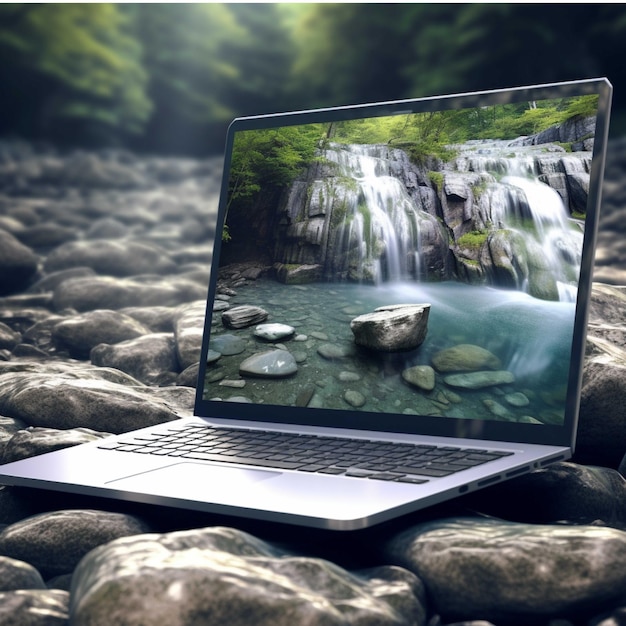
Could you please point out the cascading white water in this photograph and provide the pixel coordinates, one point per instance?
(381, 212)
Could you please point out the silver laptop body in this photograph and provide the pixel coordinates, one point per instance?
(407, 273)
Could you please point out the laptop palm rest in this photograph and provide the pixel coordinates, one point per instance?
(188, 480)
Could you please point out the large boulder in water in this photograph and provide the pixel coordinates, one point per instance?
(392, 328)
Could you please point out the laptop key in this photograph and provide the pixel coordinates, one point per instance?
(200, 456)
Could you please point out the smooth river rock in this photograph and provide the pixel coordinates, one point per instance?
(465, 358)
(80, 333)
(18, 264)
(478, 380)
(224, 576)
(55, 542)
(270, 364)
(392, 328)
(274, 332)
(150, 358)
(488, 569)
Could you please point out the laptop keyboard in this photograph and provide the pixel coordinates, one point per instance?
(389, 461)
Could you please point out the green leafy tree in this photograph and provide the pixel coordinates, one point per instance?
(64, 63)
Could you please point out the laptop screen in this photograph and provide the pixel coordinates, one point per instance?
(419, 266)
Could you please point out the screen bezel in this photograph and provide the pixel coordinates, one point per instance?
(486, 429)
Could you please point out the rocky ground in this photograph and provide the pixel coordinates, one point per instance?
(103, 271)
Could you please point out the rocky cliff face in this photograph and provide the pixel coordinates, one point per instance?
(506, 213)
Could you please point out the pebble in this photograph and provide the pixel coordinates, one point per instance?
(269, 364)
(478, 380)
(273, 332)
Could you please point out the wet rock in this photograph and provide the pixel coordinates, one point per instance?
(111, 258)
(46, 236)
(34, 441)
(420, 376)
(274, 332)
(150, 358)
(489, 569)
(478, 380)
(243, 316)
(335, 351)
(53, 279)
(221, 575)
(188, 330)
(159, 319)
(270, 364)
(465, 358)
(18, 264)
(354, 398)
(105, 292)
(392, 328)
(298, 274)
(34, 607)
(80, 333)
(18, 575)
(8, 337)
(55, 542)
(562, 492)
(84, 396)
(227, 345)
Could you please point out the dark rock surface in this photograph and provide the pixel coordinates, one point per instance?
(102, 290)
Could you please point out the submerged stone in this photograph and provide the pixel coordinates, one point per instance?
(420, 376)
(270, 364)
(465, 358)
(478, 380)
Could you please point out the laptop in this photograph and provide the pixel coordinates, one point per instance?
(395, 317)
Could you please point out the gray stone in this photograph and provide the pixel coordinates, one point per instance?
(46, 236)
(16, 574)
(298, 274)
(420, 376)
(243, 316)
(18, 264)
(274, 332)
(477, 568)
(270, 364)
(80, 333)
(34, 441)
(478, 380)
(465, 358)
(8, 337)
(53, 279)
(111, 258)
(107, 292)
(354, 398)
(227, 345)
(392, 328)
(188, 330)
(34, 607)
(55, 542)
(334, 351)
(150, 358)
(561, 492)
(224, 576)
(517, 399)
(159, 319)
(78, 395)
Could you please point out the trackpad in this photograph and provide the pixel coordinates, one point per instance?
(194, 481)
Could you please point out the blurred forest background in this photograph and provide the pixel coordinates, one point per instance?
(167, 78)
